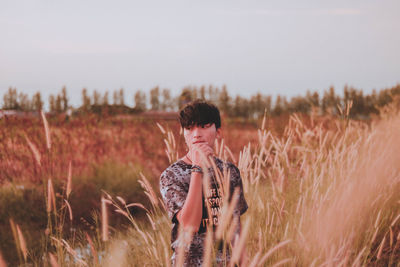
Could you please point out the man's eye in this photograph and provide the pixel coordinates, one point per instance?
(206, 125)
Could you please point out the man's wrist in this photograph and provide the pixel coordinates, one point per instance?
(197, 168)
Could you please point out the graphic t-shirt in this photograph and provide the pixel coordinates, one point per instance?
(174, 187)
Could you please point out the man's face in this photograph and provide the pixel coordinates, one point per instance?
(201, 134)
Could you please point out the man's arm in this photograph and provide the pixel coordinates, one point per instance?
(190, 214)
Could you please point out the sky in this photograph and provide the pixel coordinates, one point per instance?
(273, 47)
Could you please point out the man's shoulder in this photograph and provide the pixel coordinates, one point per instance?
(175, 168)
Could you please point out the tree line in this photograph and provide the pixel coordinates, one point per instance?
(363, 105)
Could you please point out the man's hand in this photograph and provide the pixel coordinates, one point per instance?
(199, 152)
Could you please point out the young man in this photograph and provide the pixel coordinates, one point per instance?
(181, 184)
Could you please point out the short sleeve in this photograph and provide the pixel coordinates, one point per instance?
(236, 182)
(173, 193)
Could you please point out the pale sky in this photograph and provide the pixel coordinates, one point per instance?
(283, 47)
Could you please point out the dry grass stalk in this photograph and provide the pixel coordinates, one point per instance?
(123, 202)
(240, 244)
(53, 260)
(282, 262)
(124, 213)
(2, 261)
(22, 243)
(46, 130)
(34, 150)
(367, 169)
(139, 205)
(166, 253)
(358, 258)
(149, 190)
(254, 261)
(15, 235)
(161, 128)
(92, 249)
(226, 214)
(104, 220)
(379, 255)
(272, 250)
(69, 180)
(208, 245)
(70, 250)
(51, 199)
(69, 209)
(169, 141)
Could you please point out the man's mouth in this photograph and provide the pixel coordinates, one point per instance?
(197, 142)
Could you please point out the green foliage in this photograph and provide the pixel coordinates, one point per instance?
(27, 208)
(140, 100)
(363, 105)
(154, 98)
(115, 178)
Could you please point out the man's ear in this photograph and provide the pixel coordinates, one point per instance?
(219, 133)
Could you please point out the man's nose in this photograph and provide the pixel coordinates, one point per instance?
(197, 132)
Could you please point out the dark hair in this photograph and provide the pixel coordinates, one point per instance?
(199, 112)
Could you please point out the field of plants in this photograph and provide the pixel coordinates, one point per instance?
(83, 191)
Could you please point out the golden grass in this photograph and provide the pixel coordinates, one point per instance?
(2, 261)
(104, 219)
(46, 130)
(316, 197)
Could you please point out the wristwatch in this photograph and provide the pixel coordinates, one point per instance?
(196, 168)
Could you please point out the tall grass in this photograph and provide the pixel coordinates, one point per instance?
(317, 196)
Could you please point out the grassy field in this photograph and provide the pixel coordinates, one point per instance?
(84, 191)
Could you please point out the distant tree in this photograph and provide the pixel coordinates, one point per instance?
(241, 107)
(268, 104)
(224, 101)
(330, 101)
(312, 98)
(358, 107)
(140, 100)
(58, 105)
(278, 108)
(37, 102)
(115, 98)
(24, 103)
(185, 97)
(96, 98)
(85, 100)
(299, 104)
(154, 98)
(10, 99)
(371, 103)
(194, 93)
(213, 94)
(121, 97)
(203, 92)
(105, 99)
(166, 103)
(210, 92)
(259, 104)
(64, 99)
(52, 103)
(384, 98)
